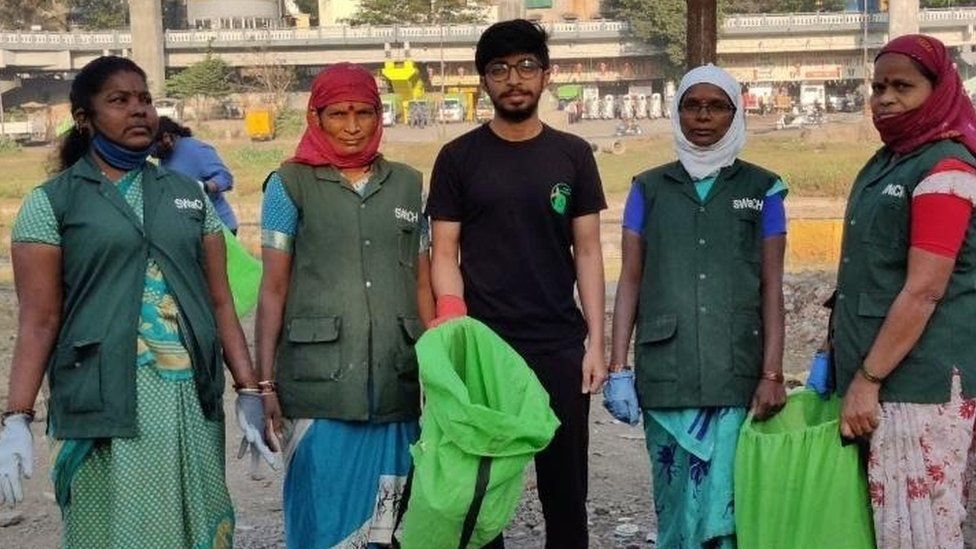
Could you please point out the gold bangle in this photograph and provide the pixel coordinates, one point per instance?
(869, 376)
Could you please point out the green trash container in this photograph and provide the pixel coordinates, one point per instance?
(485, 416)
(796, 486)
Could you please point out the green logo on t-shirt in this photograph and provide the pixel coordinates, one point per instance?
(559, 197)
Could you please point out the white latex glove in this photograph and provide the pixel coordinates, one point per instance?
(250, 417)
(16, 458)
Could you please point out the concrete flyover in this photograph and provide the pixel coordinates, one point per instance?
(742, 39)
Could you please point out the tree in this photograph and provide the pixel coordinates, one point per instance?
(24, 14)
(273, 78)
(100, 14)
(947, 3)
(202, 83)
(660, 23)
(418, 12)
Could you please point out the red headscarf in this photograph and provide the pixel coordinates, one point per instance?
(341, 82)
(946, 114)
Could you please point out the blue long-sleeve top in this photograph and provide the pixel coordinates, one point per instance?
(198, 160)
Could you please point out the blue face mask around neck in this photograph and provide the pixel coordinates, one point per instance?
(118, 156)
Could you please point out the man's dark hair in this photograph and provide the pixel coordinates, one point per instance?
(172, 127)
(509, 37)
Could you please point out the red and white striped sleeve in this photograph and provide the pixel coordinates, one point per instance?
(942, 206)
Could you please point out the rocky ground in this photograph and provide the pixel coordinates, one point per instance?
(620, 492)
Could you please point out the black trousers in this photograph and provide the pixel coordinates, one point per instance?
(561, 469)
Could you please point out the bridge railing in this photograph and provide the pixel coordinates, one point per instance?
(341, 34)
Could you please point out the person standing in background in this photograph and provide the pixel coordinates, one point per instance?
(179, 151)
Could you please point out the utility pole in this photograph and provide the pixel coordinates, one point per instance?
(702, 33)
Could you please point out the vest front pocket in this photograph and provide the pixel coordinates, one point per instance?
(747, 343)
(406, 364)
(78, 376)
(316, 352)
(656, 352)
(746, 235)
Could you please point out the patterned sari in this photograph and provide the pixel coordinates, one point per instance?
(164, 488)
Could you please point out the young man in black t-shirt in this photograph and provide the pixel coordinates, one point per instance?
(520, 202)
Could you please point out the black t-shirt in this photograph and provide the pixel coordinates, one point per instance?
(516, 202)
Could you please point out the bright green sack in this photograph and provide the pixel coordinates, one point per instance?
(796, 486)
(243, 274)
(485, 416)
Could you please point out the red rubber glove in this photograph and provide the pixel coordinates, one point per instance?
(448, 307)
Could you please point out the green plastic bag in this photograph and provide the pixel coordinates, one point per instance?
(796, 486)
(243, 274)
(486, 415)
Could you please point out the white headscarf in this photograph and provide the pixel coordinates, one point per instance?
(701, 162)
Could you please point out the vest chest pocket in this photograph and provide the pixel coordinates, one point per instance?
(746, 236)
(315, 348)
(656, 353)
(77, 376)
(747, 344)
(408, 248)
(886, 222)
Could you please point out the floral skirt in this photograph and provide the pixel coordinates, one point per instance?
(920, 472)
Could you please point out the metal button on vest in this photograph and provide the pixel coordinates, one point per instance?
(366, 243)
(846, 259)
(701, 208)
(701, 276)
(853, 221)
(701, 241)
(369, 284)
(363, 205)
(703, 309)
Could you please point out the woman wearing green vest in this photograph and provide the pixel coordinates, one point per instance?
(346, 277)
(903, 330)
(703, 245)
(124, 304)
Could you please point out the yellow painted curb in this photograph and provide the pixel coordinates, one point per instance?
(813, 243)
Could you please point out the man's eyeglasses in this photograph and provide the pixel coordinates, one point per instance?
(526, 68)
(717, 108)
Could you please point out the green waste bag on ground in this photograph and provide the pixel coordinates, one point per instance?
(486, 415)
(796, 486)
(243, 274)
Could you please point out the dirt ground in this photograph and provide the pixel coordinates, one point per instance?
(620, 490)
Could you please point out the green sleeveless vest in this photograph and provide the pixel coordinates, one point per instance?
(104, 253)
(699, 327)
(346, 344)
(874, 265)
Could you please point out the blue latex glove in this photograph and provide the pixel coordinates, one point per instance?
(620, 397)
(821, 378)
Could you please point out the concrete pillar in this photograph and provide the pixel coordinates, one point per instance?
(511, 9)
(902, 17)
(148, 45)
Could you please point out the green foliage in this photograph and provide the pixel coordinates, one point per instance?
(22, 14)
(310, 7)
(418, 12)
(8, 146)
(661, 23)
(289, 123)
(211, 78)
(100, 14)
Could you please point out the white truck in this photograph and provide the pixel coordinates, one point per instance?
(812, 95)
(24, 131)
